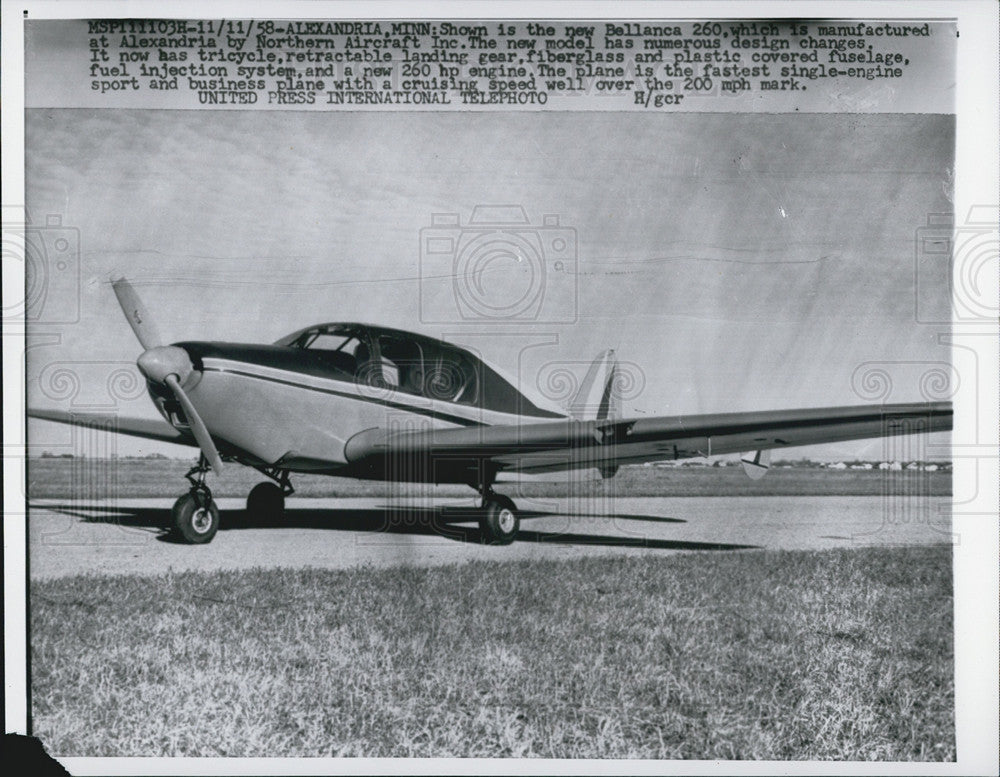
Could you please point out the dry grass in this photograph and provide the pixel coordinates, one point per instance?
(778, 655)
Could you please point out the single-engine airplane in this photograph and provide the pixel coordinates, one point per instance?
(376, 403)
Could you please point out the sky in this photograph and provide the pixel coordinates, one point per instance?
(733, 261)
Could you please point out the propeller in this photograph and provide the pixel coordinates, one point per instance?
(168, 365)
(137, 315)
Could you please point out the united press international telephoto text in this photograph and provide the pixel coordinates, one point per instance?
(602, 65)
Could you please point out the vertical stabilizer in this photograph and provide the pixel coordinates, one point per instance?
(597, 398)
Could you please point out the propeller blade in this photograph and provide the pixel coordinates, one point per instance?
(198, 427)
(137, 315)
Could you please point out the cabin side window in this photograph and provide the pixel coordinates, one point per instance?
(427, 369)
(450, 376)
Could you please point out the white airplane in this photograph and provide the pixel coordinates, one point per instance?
(375, 403)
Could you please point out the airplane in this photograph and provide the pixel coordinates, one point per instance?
(376, 403)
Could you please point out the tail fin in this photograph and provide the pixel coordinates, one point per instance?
(597, 398)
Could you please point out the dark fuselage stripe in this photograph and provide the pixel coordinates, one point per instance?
(455, 419)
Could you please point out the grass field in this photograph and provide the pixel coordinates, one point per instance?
(777, 655)
(124, 478)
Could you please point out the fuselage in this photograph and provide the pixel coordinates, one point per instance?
(297, 403)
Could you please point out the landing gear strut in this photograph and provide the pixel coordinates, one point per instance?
(266, 501)
(498, 519)
(195, 515)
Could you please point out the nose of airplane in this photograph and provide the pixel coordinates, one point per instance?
(159, 362)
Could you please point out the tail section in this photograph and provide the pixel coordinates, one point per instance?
(597, 399)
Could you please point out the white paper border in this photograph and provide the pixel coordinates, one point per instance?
(976, 557)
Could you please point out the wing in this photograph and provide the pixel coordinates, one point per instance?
(572, 444)
(134, 427)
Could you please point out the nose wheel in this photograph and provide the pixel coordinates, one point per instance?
(195, 515)
(196, 518)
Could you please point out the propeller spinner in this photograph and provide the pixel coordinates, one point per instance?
(168, 365)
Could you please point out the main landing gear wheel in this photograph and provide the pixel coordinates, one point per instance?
(196, 518)
(498, 521)
(266, 501)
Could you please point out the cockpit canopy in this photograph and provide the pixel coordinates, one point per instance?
(393, 359)
(412, 364)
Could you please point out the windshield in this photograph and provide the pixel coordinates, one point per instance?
(326, 338)
(330, 342)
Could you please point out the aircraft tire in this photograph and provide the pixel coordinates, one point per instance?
(194, 523)
(499, 521)
(266, 501)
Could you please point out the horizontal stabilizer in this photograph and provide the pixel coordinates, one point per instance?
(756, 464)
